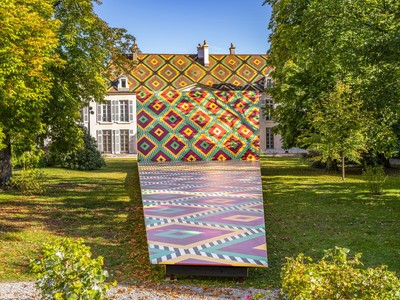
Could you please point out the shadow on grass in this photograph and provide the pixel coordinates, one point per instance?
(105, 211)
(309, 211)
(306, 210)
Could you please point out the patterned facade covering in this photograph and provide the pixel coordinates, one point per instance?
(197, 126)
(204, 213)
(159, 72)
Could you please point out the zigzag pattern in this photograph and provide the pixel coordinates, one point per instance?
(200, 226)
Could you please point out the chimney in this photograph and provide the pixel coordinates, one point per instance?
(203, 53)
(206, 54)
(135, 49)
(232, 49)
(200, 52)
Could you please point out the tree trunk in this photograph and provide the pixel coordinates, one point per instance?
(343, 170)
(5, 163)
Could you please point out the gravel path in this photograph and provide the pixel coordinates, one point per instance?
(148, 291)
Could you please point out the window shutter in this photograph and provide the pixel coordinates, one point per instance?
(99, 141)
(112, 110)
(131, 115)
(132, 141)
(117, 109)
(85, 114)
(99, 108)
(117, 147)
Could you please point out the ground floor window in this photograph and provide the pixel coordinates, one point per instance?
(269, 143)
(107, 141)
(124, 134)
(116, 141)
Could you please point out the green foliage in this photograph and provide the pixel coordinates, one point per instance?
(87, 47)
(319, 43)
(88, 158)
(337, 127)
(337, 277)
(54, 59)
(67, 271)
(29, 181)
(375, 178)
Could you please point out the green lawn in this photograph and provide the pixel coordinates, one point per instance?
(307, 210)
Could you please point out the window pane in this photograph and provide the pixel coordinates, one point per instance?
(107, 147)
(124, 135)
(269, 139)
(106, 117)
(124, 110)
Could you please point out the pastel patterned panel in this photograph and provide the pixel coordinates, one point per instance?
(198, 126)
(204, 213)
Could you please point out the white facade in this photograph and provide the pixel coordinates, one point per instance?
(113, 123)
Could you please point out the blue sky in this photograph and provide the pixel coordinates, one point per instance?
(177, 26)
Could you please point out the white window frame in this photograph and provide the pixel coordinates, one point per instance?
(269, 106)
(123, 83)
(269, 139)
(123, 111)
(269, 82)
(124, 140)
(104, 112)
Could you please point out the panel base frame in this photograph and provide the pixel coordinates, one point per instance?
(213, 271)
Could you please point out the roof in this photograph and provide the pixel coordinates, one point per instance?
(157, 72)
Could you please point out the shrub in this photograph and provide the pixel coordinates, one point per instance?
(67, 271)
(87, 158)
(336, 277)
(28, 181)
(375, 177)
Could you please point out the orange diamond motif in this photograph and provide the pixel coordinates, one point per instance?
(168, 72)
(221, 73)
(195, 73)
(154, 61)
(141, 72)
(247, 72)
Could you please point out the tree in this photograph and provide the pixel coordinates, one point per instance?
(27, 43)
(338, 127)
(316, 44)
(87, 46)
(56, 60)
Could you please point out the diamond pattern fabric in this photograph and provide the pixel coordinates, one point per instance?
(159, 72)
(198, 126)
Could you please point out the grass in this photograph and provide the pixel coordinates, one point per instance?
(307, 210)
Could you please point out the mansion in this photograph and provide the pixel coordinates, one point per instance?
(113, 123)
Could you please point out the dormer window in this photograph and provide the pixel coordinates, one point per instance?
(269, 83)
(123, 83)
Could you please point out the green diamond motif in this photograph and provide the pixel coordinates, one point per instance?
(145, 146)
(172, 119)
(143, 119)
(175, 145)
(170, 94)
(234, 144)
(204, 145)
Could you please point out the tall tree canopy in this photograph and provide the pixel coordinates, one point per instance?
(54, 58)
(28, 37)
(317, 44)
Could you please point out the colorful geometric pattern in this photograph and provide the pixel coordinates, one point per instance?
(157, 72)
(197, 126)
(204, 213)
